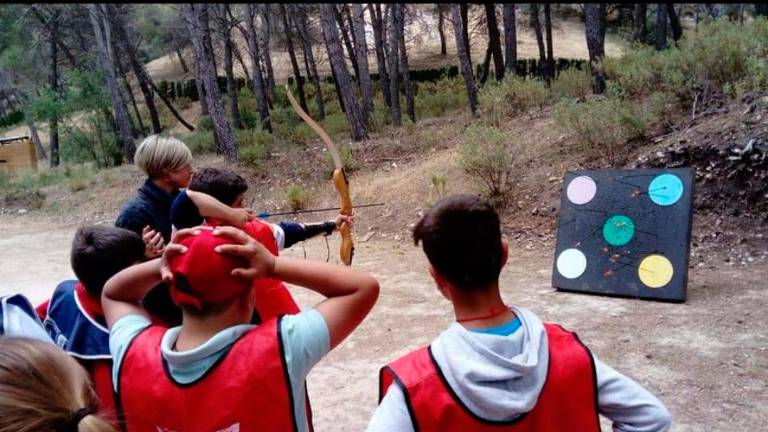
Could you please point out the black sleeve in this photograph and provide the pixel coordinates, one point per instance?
(184, 212)
(296, 232)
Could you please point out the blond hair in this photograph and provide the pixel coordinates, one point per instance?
(42, 387)
(158, 154)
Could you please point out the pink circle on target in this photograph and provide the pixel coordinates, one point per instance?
(581, 190)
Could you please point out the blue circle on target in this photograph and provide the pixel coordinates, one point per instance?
(665, 189)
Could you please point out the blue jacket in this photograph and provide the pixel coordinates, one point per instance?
(151, 206)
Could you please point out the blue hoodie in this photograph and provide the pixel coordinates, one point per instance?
(500, 377)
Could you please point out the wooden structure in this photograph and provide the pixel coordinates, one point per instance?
(17, 153)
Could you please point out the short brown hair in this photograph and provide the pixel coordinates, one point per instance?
(223, 184)
(461, 236)
(41, 387)
(100, 252)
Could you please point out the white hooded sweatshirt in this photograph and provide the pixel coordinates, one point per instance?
(500, 377)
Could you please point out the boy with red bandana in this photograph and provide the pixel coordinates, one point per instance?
(73, 316)
(499, 368)
(217, 372)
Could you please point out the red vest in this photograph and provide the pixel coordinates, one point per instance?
(568, 400)
(247, 390)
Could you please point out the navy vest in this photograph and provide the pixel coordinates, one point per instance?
(72, 329)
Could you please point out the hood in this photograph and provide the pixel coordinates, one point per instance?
(496, 377)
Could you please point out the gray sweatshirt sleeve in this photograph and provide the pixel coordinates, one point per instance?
(629, 406)
(392, 413)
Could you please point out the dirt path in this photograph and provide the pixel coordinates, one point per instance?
(706, 359)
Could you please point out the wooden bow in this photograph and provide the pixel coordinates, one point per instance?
(347, 249)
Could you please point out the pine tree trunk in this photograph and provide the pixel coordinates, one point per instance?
(192, 15)
(136, 111)
(138, 68)
(661, 26)
(641, 25)
(674, 21)
(378, 41)
(335, 55)
(345, 37)
(183, 63)
(311, 66)
(226, 30)
(441, 29)
(107, 60)
(464, 64)
(292, 54)
(486, 66)
(393, 62)
(494, 40)
(259, 86)
(405, 69)
(239, 57)
(536, 25)
(594, 15)
(361, 45)
(266, 51)
(53, 82)
(465, 31)
(170, 107)
(510, 38)
(201, 91)
(550, 68)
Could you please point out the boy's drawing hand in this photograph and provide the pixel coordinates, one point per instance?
(262, 262)
(153, 242)
(343, 219)
(241, 216)
(174, 249)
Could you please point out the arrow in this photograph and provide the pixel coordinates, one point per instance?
(264, 215)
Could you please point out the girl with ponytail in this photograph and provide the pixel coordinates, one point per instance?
(44, 389)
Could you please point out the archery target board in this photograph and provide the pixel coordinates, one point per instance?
(625, 233)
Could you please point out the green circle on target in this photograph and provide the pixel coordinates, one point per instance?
(618, 230)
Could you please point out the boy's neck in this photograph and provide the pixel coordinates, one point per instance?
(481, 309)
(196, 330)
(164, 185)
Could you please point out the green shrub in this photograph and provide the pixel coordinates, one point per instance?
(572, 83)
(486, 156)
(94, 144)
(297, 197)
(253, 146)
(512, 96)
(200, 142)
(205, 124)
(437, 182)
(437, 98)
(335, 124)
(346, 156)
(602, 127)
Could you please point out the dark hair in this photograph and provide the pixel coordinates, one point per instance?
(461, 236)
(222, 184)
(100, 252)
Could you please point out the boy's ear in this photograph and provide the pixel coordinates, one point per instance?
(504, 252)
(441, 282)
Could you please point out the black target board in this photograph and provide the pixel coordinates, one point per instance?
(625, 233)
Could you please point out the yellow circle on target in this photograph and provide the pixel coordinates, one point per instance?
(655, 271)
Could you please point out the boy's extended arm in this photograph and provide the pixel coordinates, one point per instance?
(350, 294)
(209, 206)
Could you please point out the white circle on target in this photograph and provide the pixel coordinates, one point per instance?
(571, 263)
(581, 190)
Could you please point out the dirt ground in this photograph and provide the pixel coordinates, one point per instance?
(705, 359)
